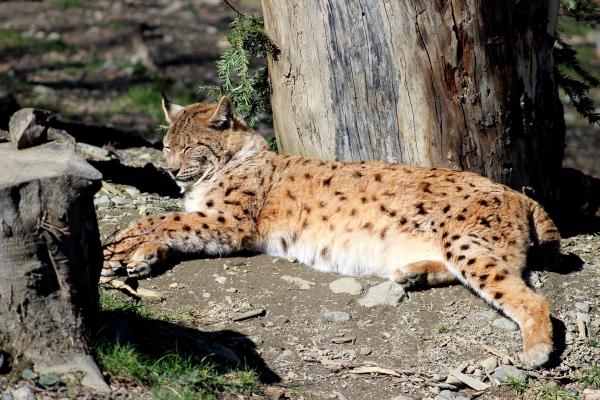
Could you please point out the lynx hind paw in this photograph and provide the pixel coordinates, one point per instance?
(146, 258)
(409, 279)
(536, 356)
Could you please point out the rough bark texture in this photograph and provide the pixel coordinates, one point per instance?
(464, 85)
(50, 259)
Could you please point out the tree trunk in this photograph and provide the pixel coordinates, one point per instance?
(50, 258)
(456, 84)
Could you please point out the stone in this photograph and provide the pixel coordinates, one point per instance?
(23, 393)
(221, 279)
(583, 307)
(503, 372)
(583, 317)
(489, 364)
(505, 323)
(336, 316)
(388, 293)
(49, 380)
(281, 320)
(346, 285)
(6, 396)
(286, 354)
(28, 374)
(449, 395)
(28, 127)
(365, 351)
(302, 284)
(402, 397)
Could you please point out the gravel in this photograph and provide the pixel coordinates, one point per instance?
(346, 285)
(336, 316)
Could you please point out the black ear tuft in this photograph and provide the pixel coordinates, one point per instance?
(171, 110)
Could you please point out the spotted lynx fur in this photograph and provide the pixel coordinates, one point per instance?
(401, 222)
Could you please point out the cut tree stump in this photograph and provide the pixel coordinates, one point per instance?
(50, 259)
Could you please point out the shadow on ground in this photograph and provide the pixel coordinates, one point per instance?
(225, 350)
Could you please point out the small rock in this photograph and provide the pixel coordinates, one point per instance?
(346, 285)
(29, 127)
(505, 323)
(365, 351)
(388, 293)
(402, 397)
(449, 395)
(119, 201)
(285, 354)
(489, 364)
(102, 200)
(336, 316)
(206, 295)
(502, 373)
(221, 279)
(28, 374)
(478, 373)
(6, 396)
(583, 317)
(302, 284)
(583, 307)
(292, 259)
(173, 285)
(438, 377)
(23, 393)
(281, 320)
(49, 380)
(452, 380)
(131, 191)
(434, 390)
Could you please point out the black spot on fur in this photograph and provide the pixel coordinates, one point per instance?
(176, 218)
(284, 244)
(465, 247)
(307, 176)
(498, 295)
(460, 258)
(187, 228)
(210, 203)
(249, 193)
(471, 261)
(221, 220)
(378, 178)
(460, 217)
(484, 222)
(402, 221)
(483, 203)
(420, 209)
(204, 226)
(446, 209)
(201, 214)
(357, 174)
(327, 181)
(367, 225)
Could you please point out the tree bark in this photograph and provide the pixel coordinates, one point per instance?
(50, 259)
(456, 84)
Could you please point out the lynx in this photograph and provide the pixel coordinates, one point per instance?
(414, 225)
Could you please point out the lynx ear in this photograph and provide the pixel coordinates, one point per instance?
(171, 109)
(222, 118)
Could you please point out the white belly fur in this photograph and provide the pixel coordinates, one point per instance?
(363, 255)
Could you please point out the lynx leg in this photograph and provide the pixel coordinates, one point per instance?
(423, 273)
(150, 241)
(498, 279)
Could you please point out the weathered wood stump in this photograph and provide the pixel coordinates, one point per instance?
(50, 257)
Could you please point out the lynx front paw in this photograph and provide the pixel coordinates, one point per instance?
(145, 258)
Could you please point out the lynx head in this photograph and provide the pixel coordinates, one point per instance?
(202, 138)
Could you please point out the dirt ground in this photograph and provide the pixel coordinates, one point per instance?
(102, 63)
